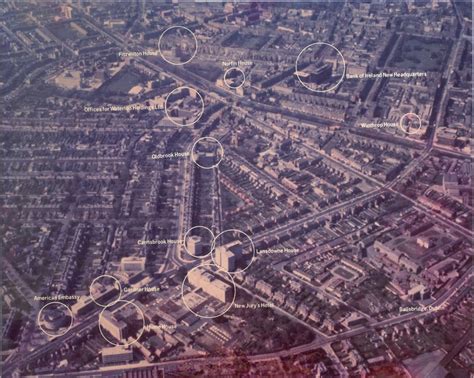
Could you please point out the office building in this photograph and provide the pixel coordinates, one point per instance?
(83, 306)
(194, 244)
(55, 318)
(117, 328)
(102, 294)
(116, 354)
(315, 74)
(225, 259)
(227, 255)
(396, 256)
(66, 11)
(132, 264)
(210, 285)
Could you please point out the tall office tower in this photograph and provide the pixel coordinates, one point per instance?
(194, 244)
(225, 258)
(117, 328)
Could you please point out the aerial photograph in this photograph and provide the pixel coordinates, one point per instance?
(236, 189)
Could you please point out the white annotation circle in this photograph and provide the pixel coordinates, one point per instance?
(52, 334)
(227, 72)
(343, 71)
(410, 116)
(106, 276)
(200, 165)
(195, 48)
(198, 117)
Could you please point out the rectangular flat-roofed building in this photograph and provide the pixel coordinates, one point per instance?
(116, 354)
(117, 328)
(210, 285)
(132, 264)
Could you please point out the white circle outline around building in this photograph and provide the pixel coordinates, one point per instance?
(186, 248)
(219, 269)
(343, 72)
(50, 334)
(225, 75)
(197, 118)
(410, 115)
(251, 243)
(108, 276)
(194, 146)
(141, 332)
(177, 27)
